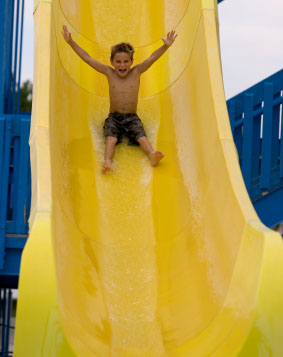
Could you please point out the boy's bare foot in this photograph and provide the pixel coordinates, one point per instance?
(155, 157)
(107, 168)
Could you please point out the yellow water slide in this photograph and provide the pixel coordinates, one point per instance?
(170, 261)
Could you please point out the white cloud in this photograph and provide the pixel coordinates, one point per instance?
(27, 54)
(251, 34)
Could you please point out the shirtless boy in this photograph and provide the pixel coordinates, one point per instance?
(124, 83)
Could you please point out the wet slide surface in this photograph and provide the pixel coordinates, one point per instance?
(170, 261)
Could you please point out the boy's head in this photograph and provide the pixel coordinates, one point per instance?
(122, 47)
(122, 58)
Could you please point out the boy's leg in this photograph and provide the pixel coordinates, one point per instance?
(154, 156)
(109, 153)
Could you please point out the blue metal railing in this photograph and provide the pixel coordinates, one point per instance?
(256, 122)
(11, 36)
(14, 161)
(6, 307)
(14, 133)
(14, 177)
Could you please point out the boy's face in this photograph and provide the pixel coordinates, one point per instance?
(122, 63)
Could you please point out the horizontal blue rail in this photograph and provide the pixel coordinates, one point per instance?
(15, 190)
(256, 122)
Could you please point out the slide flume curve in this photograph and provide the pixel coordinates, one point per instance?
(170, 261)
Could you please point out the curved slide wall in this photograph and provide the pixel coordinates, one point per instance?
(144, 262)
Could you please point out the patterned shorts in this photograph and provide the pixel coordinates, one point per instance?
(119, 125)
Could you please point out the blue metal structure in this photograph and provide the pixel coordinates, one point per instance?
(14, 162)
(14, 194)
(256, 122)
(14, 150)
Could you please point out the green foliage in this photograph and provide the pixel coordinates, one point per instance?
(26, 96)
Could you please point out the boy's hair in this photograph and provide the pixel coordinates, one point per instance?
(122, 47)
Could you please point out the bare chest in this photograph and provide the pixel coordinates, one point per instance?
(124, 86)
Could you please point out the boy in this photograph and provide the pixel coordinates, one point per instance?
(124, 83)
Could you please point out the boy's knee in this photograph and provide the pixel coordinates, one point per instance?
(111, 139)
(141, 139)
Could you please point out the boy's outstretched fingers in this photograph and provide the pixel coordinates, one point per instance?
(66, 34)
(171, 36)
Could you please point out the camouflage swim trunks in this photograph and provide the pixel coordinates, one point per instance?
(119, 125)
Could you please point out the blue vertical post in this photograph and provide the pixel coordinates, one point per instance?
(2, 128)
(20, 58)
(236, 129)
(2, 145)
(15, 177)
(281, 145)
(2, 36)
(5, 309)
(3, 313)
(275, 146)
(231, 112)
(8, 319)
(248, 140)
(6, 40)
(28, 197)
(15, 79)
(9, 30)
(22, 183)
(257, 142)
(2, 150)
(267, 136)
(4, 189)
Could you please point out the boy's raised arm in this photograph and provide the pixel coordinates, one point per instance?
(168, 41)
(102, 68)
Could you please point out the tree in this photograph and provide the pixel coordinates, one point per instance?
(26, 96)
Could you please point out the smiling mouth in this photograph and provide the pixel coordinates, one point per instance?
(122, 71)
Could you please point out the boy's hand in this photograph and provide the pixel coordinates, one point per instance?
(171, 36)
(66, 34)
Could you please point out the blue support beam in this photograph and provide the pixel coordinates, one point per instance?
(248, 139)
(20, 56)
(4, 173)
(6, 307)
(267, 137)
(281, 146)
(6, 46)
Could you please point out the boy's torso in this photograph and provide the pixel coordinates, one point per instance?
(123, 92)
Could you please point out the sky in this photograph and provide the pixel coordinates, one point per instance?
(251, 38)
(251, 33)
